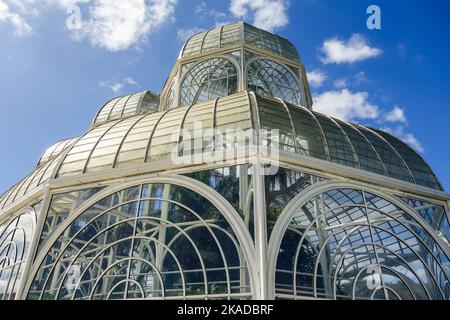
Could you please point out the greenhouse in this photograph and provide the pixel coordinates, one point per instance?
(227, 185)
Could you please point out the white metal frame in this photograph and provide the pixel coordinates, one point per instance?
(222, 205)
(290, 210)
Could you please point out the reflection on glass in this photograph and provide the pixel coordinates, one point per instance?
(208, 80)
(61, 206)
(146, 242)
(235, 184)
(430, 212)
(281, 189)
(351, 244)
(15, 240)
(267, 77)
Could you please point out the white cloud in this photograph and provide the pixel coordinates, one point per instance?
(354, 106)
(316, 78)
(340, 83)
(116, 87)
(184, 34)
(406, 137)
(131, 81)
(355, 49)
(25, 7)
(361, 77)
(204, 10)
(346, 105)
(110, 24)
(397, 114)
(21, 26)
(265, 14)
(116, 25)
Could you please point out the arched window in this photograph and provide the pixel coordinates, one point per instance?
(150, 241)
(15, 240)
(269, 78)
(208, 80)
(347, 243)
(169, 99)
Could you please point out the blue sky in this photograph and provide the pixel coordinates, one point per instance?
(56, 70)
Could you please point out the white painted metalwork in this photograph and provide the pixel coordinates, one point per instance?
(434, 270)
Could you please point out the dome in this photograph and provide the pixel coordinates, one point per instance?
(239, 34)
(235, 58)
(127, 106)
(55, 150)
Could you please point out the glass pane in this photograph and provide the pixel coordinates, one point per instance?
(267, 77)
(352, 244)
(15, 240)
(150, 241)
(208, 80)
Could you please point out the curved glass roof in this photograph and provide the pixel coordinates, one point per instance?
(239, 34)
(127, 106)
(55, 150)
(30, 183)
(147, 138)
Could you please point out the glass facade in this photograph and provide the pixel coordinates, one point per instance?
(209, 80)
(270, 78)
(239, 34)
(127, 106)
(16, 236)
(235, 58)
(145, 242)
(352, 244)
(339, 211)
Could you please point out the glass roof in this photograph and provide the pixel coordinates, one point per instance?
(147, 138)
(30, 183)
(239, 34)
(127, 106)
(55, 150)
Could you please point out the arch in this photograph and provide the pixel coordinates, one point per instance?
(272, 81)
(169, 97)
(227, 212)
(127, 106)
(15, 236)
(367, 221)
(201, 74)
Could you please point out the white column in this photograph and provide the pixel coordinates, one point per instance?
(260, 228)
(22, 292)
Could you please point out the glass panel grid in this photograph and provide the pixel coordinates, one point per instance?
(240, 33)
(146, 242)
(267, 77)
(208, 80)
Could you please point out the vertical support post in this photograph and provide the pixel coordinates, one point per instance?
(319, 207)
(106, 284)
(242, 75)
(243, 194)
(243, 186)
(176, 88)
(260, 228)
(163, 227)
(22, 292)
(162, 232)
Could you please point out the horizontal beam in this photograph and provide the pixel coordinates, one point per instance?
(237, 156)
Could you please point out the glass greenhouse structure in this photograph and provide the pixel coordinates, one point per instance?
(347, 212)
